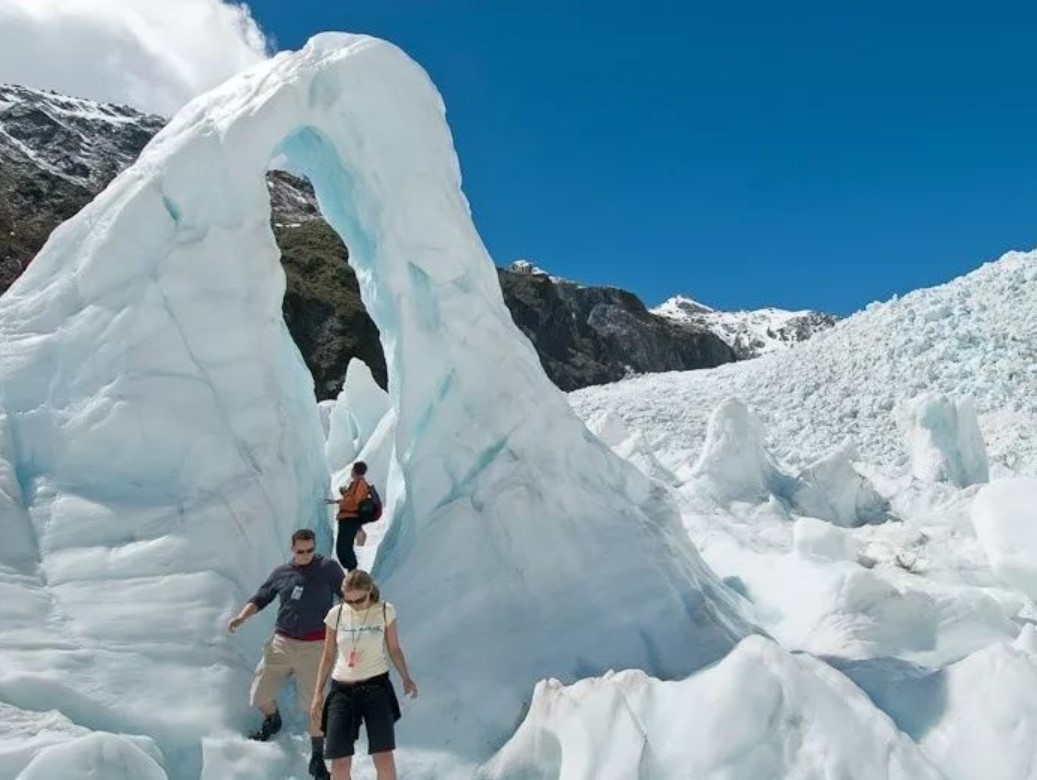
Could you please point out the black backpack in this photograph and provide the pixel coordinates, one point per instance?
(370, 508)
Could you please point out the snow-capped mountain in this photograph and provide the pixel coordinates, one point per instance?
(527, 267)
(81, 141)
(749, 333)
(56, 153)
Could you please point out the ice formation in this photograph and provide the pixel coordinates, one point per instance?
(976, 718)
(943, 440)
(324, 409)
(972, 337)
(831, 489)
(733, 464)
(93, 756)
(358, 411)
(1004, 514)
(735, 467)
(823, 540)
(759, 713)
(631, 446)
(163, 441)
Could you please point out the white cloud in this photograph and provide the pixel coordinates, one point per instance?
(152, 54)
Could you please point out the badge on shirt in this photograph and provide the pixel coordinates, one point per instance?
(297, 593)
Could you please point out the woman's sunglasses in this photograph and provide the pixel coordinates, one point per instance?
(360, 600)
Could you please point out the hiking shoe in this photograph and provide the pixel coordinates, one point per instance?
(271, 725)
(318, 768)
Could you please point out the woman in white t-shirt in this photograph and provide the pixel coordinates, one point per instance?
(360, 640)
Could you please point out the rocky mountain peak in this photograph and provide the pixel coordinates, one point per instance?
(749, 333)
(80, 141)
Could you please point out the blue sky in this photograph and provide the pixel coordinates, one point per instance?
(810, 156)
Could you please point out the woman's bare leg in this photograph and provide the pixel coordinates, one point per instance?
(384, 765)
(340, 768)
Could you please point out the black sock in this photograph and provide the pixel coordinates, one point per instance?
(317, 745)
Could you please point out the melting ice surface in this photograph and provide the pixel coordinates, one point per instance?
(159, 442)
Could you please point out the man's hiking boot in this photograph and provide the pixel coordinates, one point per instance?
(271, 725)
(318, 768)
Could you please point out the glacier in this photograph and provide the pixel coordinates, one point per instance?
(160, 441)
(651, 595)
(925, 406)
(354, 416)
(760, 714)
(1004, 515)
(943, 439)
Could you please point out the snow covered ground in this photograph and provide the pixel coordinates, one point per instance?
(841, 487)
(812, 565)
(975, 336)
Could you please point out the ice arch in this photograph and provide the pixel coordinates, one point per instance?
(165, 438)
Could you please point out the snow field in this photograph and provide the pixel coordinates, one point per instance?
(917, 403)
(973, 337)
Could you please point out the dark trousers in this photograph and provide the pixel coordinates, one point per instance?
(370, 702)
(344, 544)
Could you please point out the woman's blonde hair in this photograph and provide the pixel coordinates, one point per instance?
(358, 579)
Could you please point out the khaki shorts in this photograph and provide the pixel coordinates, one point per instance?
(282, 659)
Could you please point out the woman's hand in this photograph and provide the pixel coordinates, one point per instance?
(316, 710)
(409, 688)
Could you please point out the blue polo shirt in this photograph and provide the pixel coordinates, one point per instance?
(307, 593)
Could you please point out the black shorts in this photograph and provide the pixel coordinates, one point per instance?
(371, 702)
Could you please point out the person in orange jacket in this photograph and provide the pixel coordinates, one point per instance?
(350, 528)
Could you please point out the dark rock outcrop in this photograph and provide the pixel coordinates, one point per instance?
(593, 335)
(322, 306)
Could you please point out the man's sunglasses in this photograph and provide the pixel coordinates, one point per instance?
(307, 551)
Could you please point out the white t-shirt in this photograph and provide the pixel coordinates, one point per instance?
(360, 636)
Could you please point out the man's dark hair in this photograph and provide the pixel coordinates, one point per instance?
(360, 468)
(303, 535)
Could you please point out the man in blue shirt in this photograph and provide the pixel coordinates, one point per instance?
(307, 587)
